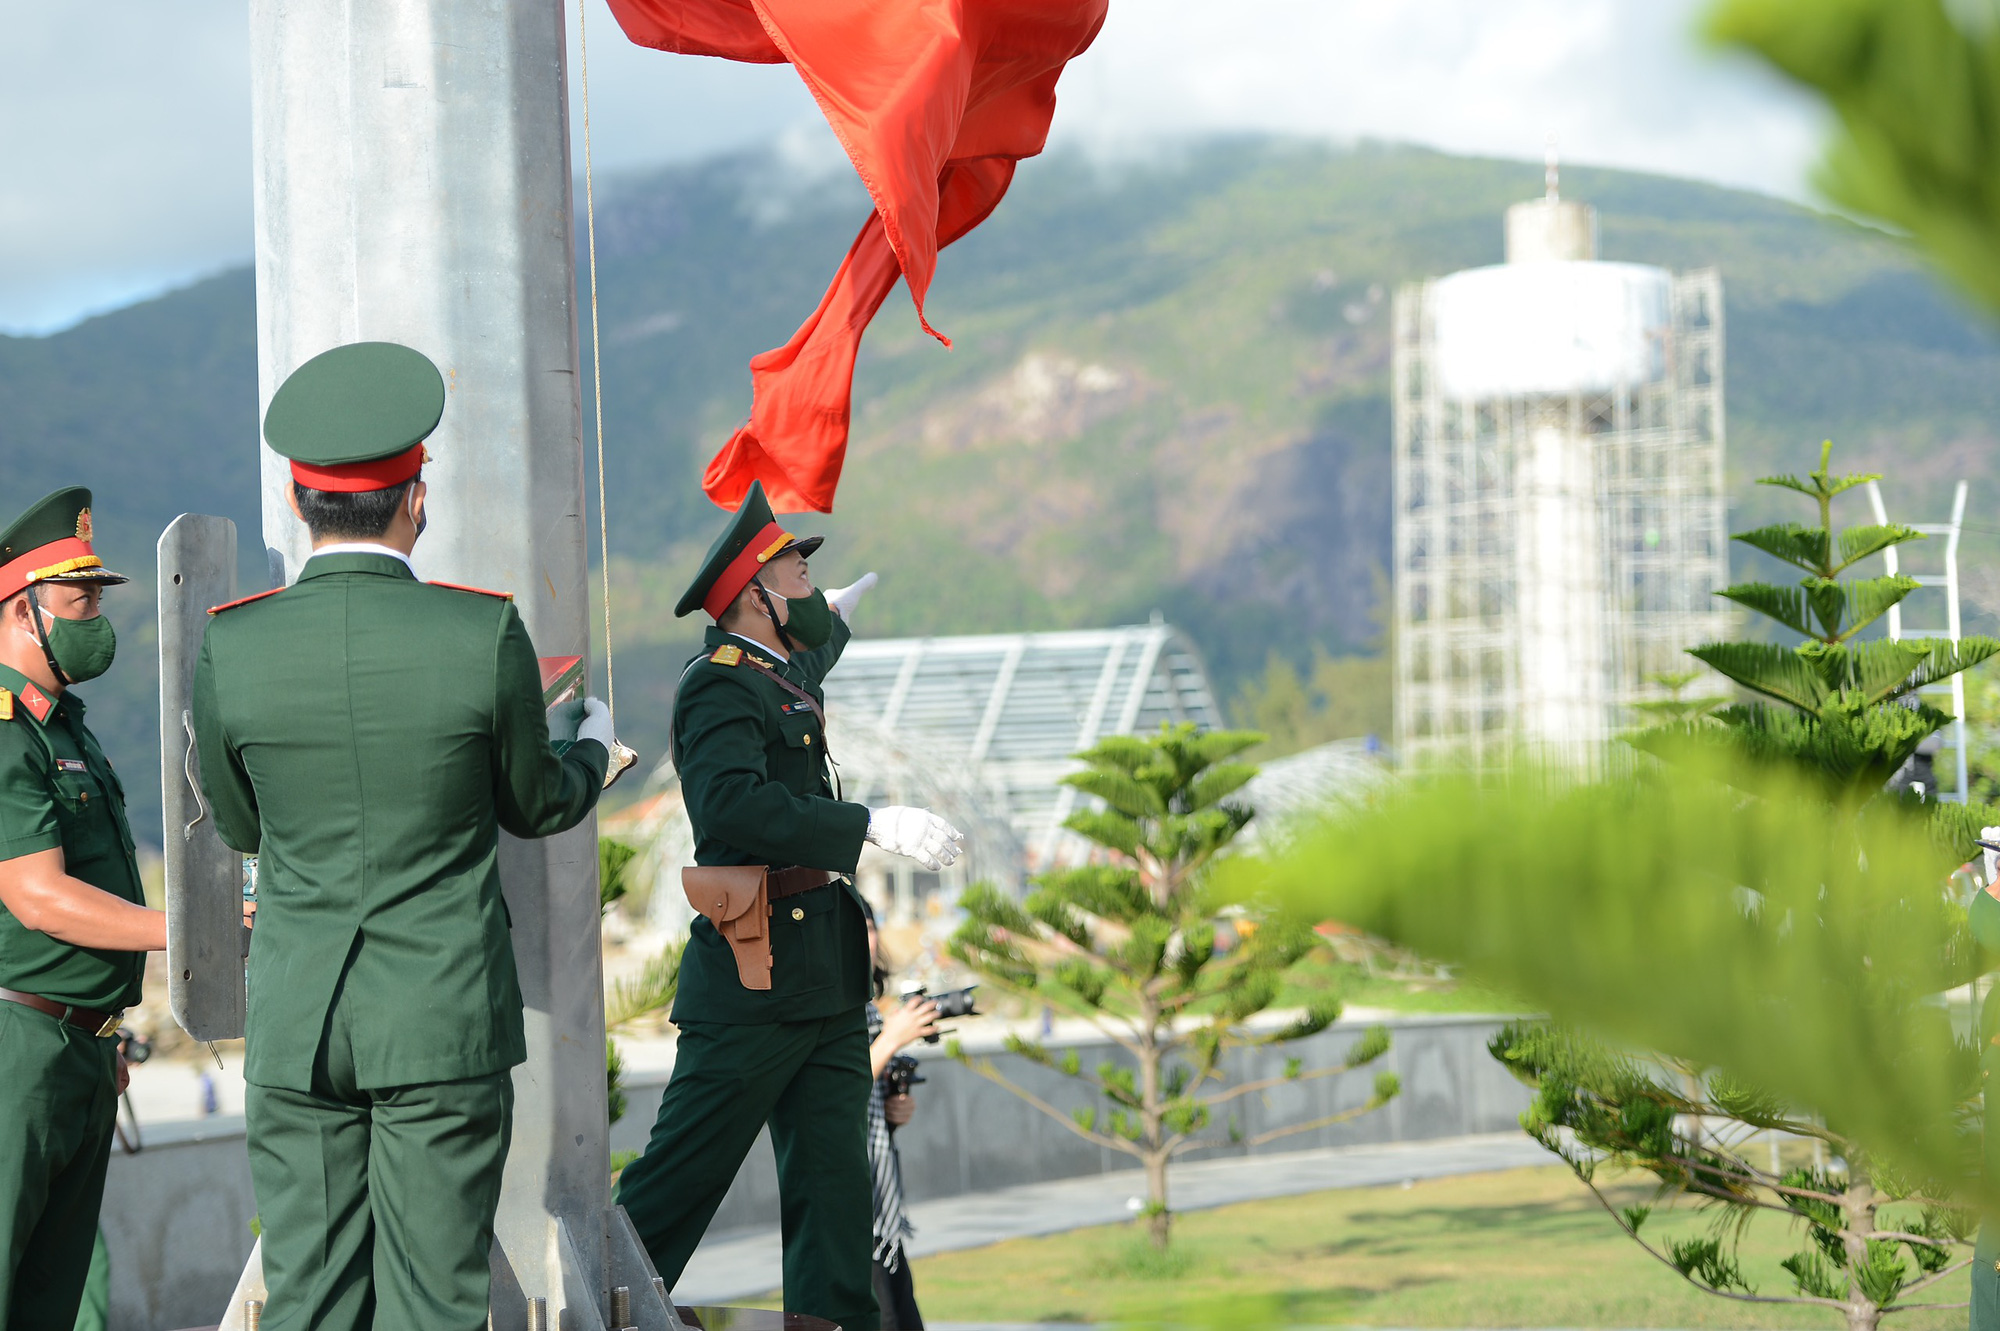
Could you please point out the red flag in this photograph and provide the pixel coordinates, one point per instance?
(935, 101)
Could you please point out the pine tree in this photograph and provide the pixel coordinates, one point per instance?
(1132, 946)
(1844, 710)
(1844, 713)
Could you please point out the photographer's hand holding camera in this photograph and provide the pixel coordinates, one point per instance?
(913, 1020)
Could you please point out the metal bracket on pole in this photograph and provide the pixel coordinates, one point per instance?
(205, 942)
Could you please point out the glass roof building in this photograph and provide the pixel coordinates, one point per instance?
(1009, 709)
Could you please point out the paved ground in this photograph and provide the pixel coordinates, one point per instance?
(746, 1263)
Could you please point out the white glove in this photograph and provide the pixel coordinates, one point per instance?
(596, 724)
(918, 834)
(846, 598)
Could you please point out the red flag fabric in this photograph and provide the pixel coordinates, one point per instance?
(934, 101)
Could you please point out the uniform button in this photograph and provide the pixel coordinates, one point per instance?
(798, 912)
(809, 739)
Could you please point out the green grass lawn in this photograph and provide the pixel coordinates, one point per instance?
(1525, 1247)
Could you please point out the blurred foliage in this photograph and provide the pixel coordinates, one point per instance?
(1135, 946)
(646, 994)
(614, 860)
(1341, 697)
(1776, 952)
(1915, 86)
(1773, 938)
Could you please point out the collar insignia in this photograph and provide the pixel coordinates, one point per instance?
(36, 702)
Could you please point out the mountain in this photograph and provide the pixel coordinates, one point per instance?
(1169, 390)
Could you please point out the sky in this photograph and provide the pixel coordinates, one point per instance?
(125, 124)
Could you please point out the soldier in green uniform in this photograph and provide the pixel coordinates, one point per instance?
(750, 746)
(367, 736)
(73, 923)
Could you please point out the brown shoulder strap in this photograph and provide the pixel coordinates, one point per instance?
(789, 687)
(826, 754)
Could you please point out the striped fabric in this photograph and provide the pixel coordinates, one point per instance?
(892, 1226)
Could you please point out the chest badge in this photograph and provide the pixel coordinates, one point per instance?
(72, 765)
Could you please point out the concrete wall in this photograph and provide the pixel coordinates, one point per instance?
(176, 1220)
(970, 1135)
(177, 1216)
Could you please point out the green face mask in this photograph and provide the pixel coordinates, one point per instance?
(77, 649)
(809, 624)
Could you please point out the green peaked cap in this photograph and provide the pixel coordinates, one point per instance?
(359, 403)
(752, 539)
(51, 542)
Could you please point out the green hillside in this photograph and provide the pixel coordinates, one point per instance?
(1169, 389)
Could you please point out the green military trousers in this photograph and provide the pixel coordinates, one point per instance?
(810, 1080)
(377, 1205)
(58, 1103)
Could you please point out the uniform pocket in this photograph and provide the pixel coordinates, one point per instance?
(804, 937)
(800, 728)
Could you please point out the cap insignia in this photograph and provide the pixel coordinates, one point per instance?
(728, 654)
(83, 524)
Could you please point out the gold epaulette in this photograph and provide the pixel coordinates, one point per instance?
(6, 705)
(728, 654)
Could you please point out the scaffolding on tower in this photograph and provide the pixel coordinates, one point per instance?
(1558, 483)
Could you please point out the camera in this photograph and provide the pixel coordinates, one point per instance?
(136, 1047)
(951, 1003)
(902, 1073)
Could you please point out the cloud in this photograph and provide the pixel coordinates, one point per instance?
(1619, 82)
(128, 164)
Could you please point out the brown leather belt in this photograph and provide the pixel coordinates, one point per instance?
(782, 883)
(90, 1019)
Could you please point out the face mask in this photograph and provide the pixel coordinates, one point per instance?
(77, 649)
(809, 625)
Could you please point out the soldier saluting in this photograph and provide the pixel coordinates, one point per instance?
(368, 736)
(73, 921)
(775, 979)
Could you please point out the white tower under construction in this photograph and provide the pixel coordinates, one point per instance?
(1559, 524)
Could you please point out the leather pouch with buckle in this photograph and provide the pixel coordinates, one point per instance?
(735, 900)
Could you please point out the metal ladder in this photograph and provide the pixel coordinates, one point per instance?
(1947, 582)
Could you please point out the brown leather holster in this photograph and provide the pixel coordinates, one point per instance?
(735, 900)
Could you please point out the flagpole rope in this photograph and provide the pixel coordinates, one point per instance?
(596, 356)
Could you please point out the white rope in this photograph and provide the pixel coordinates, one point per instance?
(596, 357)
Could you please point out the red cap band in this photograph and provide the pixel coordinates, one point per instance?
(737, 574)
(16, 574)
(354, 477)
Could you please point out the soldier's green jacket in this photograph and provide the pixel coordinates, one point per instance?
(367, 735)
(754, 776)
(57, 789)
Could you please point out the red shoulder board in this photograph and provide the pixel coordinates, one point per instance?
(242, 600)
(461, 587)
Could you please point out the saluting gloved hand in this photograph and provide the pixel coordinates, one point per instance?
(917, 833)
(846, 598)
(596, 724)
